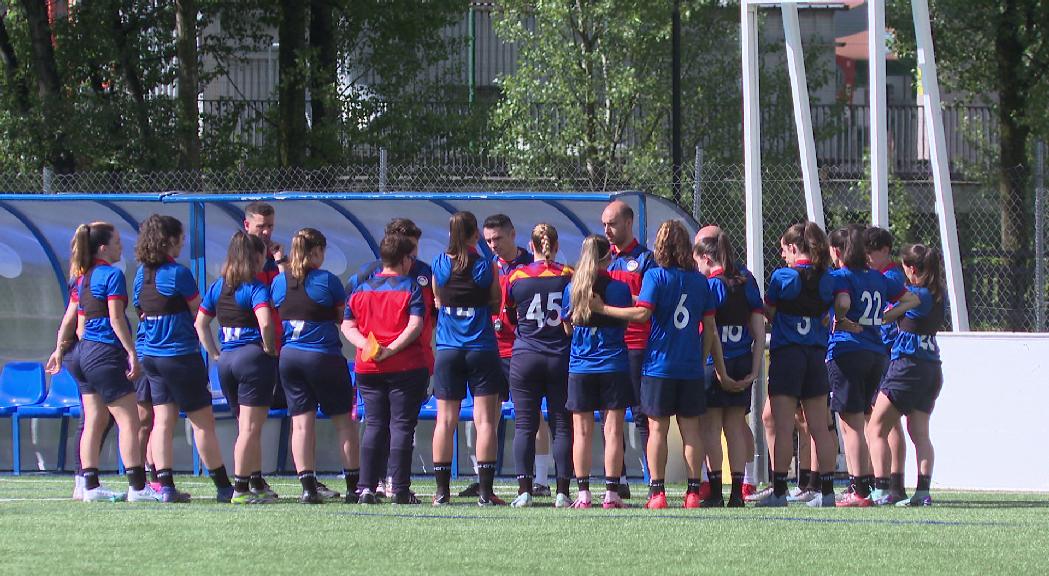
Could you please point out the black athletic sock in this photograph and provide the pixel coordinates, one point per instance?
(814, 481)
(353, 477)
(924, 483)
(240, 483)
(153, 473)
(90, 478)
(136, 477)
(896, 484)
(611, 483)
(737, 485)
(442, 472)
(882, 484)
(220, 477)
(166, 478)
(827, 483)
(486, 479)
(804, 477)
(714, 477)
(308, 479)
(779, 483)
(524, 484)
(860, 487)
(868, 483)
(693, 486)
(656, 487)
(258, 483)
(563, 484)
(583, 483)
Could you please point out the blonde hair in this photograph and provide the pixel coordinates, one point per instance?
(87, 239)
(302, 244)
(544, 239)
(673, 247)
(595, 249)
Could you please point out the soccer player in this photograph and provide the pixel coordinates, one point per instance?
(165, 294)
(539, 365)
(389, 307)
(856, 353)
(598, 368)
(914, 378)
(630, 261)
(740, 318)
(796, 302)
(248, 357)
(108, 360)
(310, 302)
(467, 291)
(677, 299)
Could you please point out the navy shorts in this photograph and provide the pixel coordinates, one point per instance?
(601, 391)
(798, 372)
(505, 362)
(178, 380)
(143, 392)
(534, 375)
(912, 384)
(312, 379)
(854, 379)
(718, 397)
(662, 397)
(455, 368)
(105, 371)
(247, 375)
(71, 362)
(637, 361)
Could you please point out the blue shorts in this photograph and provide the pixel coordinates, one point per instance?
(534, 375)
(71, 362)
(178, 380)
(718, 397)
(854, 379)
(798, 372)
(912, 384)
(456, 368)
(312, 379)
(247, 375)
(104, 367)
(661, 397)
(143, 391)
(600, 391)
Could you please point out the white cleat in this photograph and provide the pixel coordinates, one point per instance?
(523, 500)
(146, 494)
(102, 494)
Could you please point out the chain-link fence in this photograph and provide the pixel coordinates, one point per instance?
(996, 214)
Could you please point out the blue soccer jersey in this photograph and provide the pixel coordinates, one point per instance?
(736, 339)
(602, 347)
(870, 292)
(106, 283)
(325, 289)
(786, 287)
(888, 331)
(679, 299)
(248, 297)
(465, 327)
(920, 346)
(536, 291)
(167, 334)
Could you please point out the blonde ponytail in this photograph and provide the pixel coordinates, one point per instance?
(544, 240)
(302, 244)
(595, 249)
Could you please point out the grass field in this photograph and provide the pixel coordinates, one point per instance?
(43, 532)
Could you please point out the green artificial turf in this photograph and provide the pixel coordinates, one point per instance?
(43, 532)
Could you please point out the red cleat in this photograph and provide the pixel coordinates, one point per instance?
(704, 490)
(854, 500)
(693, 500)
(749, 490)
(657, 501)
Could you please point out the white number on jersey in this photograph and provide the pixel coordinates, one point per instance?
(551, 315)
(928, 343)
(731, 334)
(804, 326)
(296, 327)
(873, 308)
(459, 312)
(231, 334)
(681, 315)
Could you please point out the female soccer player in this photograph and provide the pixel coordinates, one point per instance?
(389, 307)
(740, 319)
(467, 291)
(539, 365)
(313, 370)
(247, 360)
(856, 355)
(914, 378)
(677, 299)
(797, 300)
(108, 359)
(598, 369)
(165, 295)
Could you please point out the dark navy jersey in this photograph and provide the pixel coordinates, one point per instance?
(629, 266)
(920, 346)
(167, 334)
(504, 334)
(106, 283)
(679, 299)
(870, 292)
(888, 331)
(422, 274)
(465, 327)
(788, 329)
(602, 347)
(536, 291)
(381, 306)
(736, 339)
(325, 289)
(249, 297)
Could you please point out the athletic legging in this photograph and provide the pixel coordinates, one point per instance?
(533, 376)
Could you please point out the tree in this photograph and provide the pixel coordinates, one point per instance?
(291, 91)
(49, 85)
(186, 15)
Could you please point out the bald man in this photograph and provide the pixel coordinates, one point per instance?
(709, 231)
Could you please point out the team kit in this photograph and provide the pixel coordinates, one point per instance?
(678, 331)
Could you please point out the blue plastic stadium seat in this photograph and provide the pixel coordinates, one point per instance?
(62, 396)
(21, 384)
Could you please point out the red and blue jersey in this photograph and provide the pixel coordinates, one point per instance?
(167, 334)
(535, 291)
(888, 331)
(504, 334)
(269, 272)
(422, 274)
(106, 283)
(870, 292)
(325, 289)
(465, 327)
(920, 346)
(787, 286)
(599, 347)
(736, 339)
(247, 297)
(629, 266)
(381, 305)
(679, 299)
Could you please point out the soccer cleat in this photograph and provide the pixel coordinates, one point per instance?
(224, 495)
(562, 501)
(822, 501)
(624, 491)
(657, 501)
(383, 489)
(406, 497)
(749, 490)
(692, 500)
(887, 498)
(735, 502)
(919, 499)
(352, 498)
(713, 503)
(156, 486)
(704, 490)
(770, 500)
(266, 493)
(523, 500)
(801, 496)
(541, 491)
(442, 500)
(854, 500)
(101, 494)
(240, 498)
(78, 487)
(327, 493)
(310, 497)
(492, 500)
(367, 497)
(612, 500)
(583, 500)
(759, 495)
(171, 495)
(471, 491)
(146, 494)
(844, 493)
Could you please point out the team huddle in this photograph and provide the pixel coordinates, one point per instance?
(678, 331)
